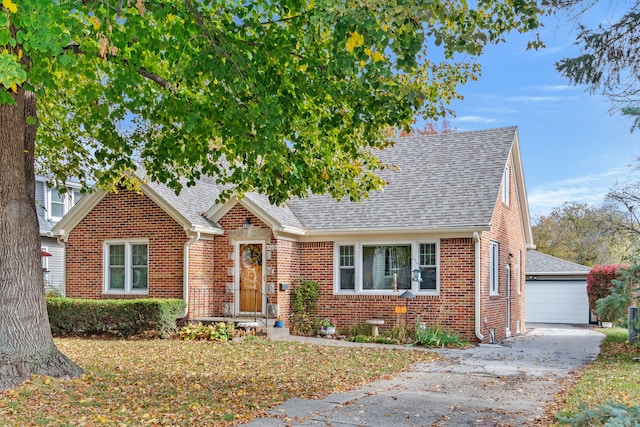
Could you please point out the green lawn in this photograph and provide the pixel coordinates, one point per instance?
(613, 377)
(171, 382)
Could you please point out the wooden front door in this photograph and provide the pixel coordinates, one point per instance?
(250, 298)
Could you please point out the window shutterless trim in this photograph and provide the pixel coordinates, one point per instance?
(358, 267)
(128, 267)
(494, 270)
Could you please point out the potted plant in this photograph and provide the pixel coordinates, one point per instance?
(279, 323)
(327, 327)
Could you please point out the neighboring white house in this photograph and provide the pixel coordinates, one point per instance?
(556, 290)
(51, 206)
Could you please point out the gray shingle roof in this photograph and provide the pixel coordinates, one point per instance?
(192, 201)
(446, 180)
(45, 225)
(538, 263)
(282, 214)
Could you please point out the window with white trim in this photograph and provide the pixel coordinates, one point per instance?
(58, 204)
(44, 257)
(494, 272)
(346, 267)
(385, 268)
(506, 180)
(126, 267)
(518, 274)
(428, 267)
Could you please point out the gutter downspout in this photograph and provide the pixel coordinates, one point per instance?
(185, 274)
(478, 323)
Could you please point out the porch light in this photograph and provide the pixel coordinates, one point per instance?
(407, 295)
(247, 223)
(416, 275)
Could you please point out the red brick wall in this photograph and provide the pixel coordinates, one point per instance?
(201, 279)
(125, 215)
(453, 308)
(507, 230)
(288, 269)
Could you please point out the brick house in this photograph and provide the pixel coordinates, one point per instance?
(455, 210)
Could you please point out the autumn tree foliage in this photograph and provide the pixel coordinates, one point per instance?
(280, 97)
(585, 234)
(599, 282)
(430, 128)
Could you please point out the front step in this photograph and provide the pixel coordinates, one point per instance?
(270, 331)
(276, 333)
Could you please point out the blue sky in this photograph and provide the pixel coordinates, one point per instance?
(573, 148)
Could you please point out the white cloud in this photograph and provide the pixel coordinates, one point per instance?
(474, 119)
(536, 98)
(588, 189)
(555, 88)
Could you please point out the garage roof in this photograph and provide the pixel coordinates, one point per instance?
(540, 264)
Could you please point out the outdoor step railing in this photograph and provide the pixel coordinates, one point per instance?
(233, 303)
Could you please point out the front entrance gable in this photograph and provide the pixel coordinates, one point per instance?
(246, 260)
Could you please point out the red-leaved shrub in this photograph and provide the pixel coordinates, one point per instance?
(599, 281)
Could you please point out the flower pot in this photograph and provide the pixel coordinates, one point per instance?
(327, 330)
(279, 324)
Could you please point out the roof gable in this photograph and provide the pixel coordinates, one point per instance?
(185, 209)
(278, 218)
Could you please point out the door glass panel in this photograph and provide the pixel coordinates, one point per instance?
(250, 278)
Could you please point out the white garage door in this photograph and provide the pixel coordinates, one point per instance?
(557, 302)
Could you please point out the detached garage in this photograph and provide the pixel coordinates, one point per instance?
(556, 290)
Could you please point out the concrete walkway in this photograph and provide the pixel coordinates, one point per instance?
(489, 385)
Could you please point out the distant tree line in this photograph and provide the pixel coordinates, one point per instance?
(589, 235)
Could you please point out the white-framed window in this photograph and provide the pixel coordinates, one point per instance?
(386, 267)
(494, 272)
(518, 272)
(428, 256)
(58, 204)
(506, 181)
(44, 258)
(346, 267)
(126, 267)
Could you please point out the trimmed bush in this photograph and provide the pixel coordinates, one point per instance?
(124, 318)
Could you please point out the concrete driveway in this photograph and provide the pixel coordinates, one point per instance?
(489, 385)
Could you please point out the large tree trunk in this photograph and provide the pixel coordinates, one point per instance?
(26, 344)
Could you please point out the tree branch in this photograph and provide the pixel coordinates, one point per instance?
(160, 81)
(277, 21)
